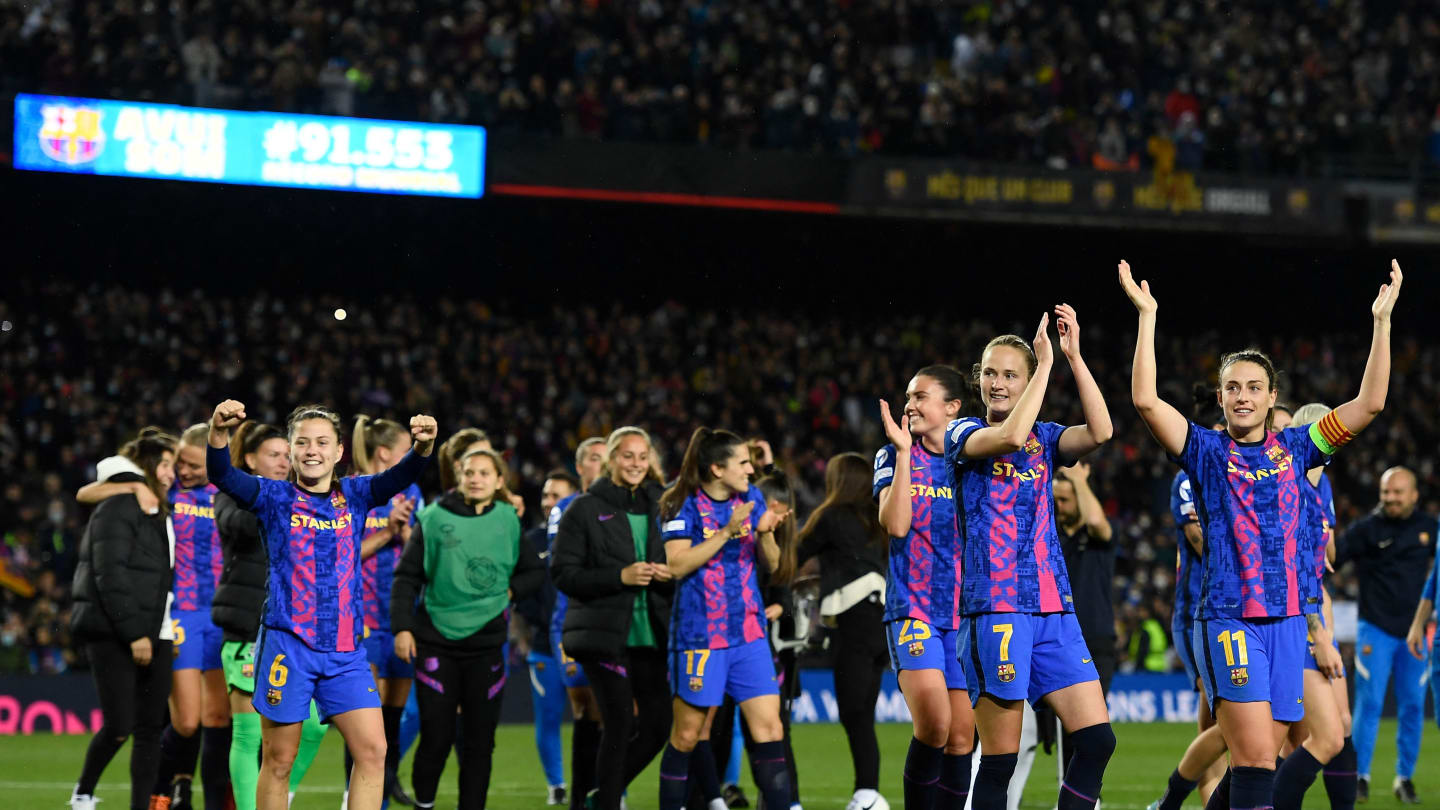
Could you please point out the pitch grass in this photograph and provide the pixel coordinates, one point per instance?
(39, 771)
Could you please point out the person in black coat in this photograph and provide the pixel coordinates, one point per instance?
(609, 560)
(121, 589)
(845, 536)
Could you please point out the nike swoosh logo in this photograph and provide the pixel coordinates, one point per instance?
(369, 689)
(1085, 660)
(1387, 542)
(606, 517)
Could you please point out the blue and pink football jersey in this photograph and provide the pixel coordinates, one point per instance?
(718, 605)
(1187, 562)
(1013, 562)
(313, 542)
(198, 560)
(920, 577)
(1257, 512)
(377, 573)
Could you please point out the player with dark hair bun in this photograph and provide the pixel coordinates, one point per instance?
(922, 612)
(1254, 506)
(716, 529)
(310, 642)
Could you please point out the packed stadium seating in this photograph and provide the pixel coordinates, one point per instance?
(1250, 86)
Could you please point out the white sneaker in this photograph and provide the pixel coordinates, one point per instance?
(718, 804)
(82, 801)
(867, 799)
(345, 801)
(290, 801)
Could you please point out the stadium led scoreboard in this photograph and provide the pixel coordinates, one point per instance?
(169, 142)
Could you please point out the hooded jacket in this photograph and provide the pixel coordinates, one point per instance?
(126, 569)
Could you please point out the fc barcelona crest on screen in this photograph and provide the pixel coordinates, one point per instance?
(1276, 454)
(1032, 446)
(1005, 672)
(917, 649)
(1239, 676)
(247, 670)
(272, 696)
(71, 135)
(696, 684)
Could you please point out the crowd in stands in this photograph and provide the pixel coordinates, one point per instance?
(1249, 86)
(82, 369)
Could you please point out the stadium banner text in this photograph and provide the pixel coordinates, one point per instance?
(1160, 198)
(169, 142)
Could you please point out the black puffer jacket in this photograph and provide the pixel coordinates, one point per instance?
(593, 544)
(240, 597)
(125, 572)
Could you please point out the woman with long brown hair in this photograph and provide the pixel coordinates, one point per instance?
(845, 536)
(121, 588)
(717, 528)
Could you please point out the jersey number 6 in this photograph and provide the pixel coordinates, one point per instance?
(279, 672)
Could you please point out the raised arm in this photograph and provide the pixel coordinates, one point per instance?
(407, 471)
(1078, 440)
(1167, 425)
(1091, 511)
(245, 489)
(1010, 435)
(895, 511)
(1357, 414)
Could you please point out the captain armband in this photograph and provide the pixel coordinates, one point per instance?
(1330, 434)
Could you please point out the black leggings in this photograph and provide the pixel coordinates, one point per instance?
(860, 661)
(132, 698)
(445, 682)
(634, 697)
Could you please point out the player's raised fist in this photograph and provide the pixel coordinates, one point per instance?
(423, 431)
(228, 414)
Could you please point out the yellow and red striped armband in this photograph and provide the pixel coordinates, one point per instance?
(1330, 434)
